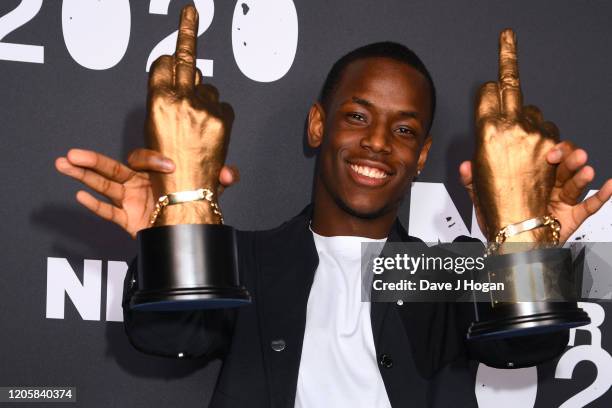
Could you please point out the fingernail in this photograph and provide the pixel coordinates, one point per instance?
(167, 165)
(189, 13)
(555, 154)
(509, 35)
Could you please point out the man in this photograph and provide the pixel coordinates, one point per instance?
(307, 339)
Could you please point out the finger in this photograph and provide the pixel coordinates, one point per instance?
(161, 72)
(229, 175)
(573, 159)
(592, 204)
(105, 166)
(487, 104)
(465, 173)
(198, 77)
(510, 89)
(150, 160)
(227, 114)
(551, 130)
(575, 186)
(185, 55)
(102, 185)
(532, 120)
(559, 151)
(534, 114)
(207, 93)
(102, 209)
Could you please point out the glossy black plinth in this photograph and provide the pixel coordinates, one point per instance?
(188, 267)
(525, 318)
(541, 290)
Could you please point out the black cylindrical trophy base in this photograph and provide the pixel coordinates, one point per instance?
(525, 318)
(188, 267)
(541, 292)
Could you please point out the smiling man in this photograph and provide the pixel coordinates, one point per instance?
(307, 339)
(372, 127)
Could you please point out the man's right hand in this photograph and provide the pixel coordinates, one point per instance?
(127, 187)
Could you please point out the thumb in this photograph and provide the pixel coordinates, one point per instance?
(228, 176)
(465, 174)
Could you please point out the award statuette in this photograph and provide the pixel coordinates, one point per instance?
(187, 258)
(512, 187)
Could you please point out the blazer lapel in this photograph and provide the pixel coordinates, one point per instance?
(378, 310)
(287, 261)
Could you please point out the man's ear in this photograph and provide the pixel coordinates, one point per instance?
(424, 153)
(316, 124)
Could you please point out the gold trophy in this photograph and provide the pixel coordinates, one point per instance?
(187, 258)
(512, 187)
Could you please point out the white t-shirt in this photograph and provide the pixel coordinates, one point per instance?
(339, 365)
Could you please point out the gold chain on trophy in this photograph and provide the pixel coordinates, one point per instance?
(185, 197)
(527, 225)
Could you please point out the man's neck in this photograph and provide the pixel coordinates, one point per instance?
(329, 219)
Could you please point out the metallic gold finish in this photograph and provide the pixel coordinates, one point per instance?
(512, 180)
(186, 123)
(185, 197)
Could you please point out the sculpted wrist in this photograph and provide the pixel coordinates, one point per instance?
(515, 213)
(526, 241)
(184, 197)
(194, 212)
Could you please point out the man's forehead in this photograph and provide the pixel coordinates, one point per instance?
(379, 67)
(384, 84)
(381, 78)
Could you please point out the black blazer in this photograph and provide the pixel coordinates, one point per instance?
(421, 347)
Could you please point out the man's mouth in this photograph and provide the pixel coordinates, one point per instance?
(367, 171)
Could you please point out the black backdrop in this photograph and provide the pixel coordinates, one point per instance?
(84, 92)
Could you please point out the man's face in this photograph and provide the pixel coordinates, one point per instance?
(373, 135)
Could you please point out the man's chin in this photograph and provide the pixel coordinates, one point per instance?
(367, 212)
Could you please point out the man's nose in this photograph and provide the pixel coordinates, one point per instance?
(377, 140)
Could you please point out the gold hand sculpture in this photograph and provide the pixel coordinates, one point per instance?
(518, 172)
(512, 179)
(186, 123)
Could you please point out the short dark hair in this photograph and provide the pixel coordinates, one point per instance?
(386, 49)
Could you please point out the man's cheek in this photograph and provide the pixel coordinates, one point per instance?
(408, 165)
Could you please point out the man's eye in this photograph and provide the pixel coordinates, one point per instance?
(405, 131)
(356, 116)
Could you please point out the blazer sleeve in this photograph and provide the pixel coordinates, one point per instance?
(180, 334)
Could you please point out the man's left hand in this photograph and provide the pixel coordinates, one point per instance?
(521, 170)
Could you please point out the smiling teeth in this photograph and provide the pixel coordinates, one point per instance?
(369, 171)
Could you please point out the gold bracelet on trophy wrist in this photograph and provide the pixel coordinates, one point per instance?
(185, 197)
(524, 226)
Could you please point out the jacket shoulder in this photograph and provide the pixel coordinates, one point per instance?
(286, 230)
